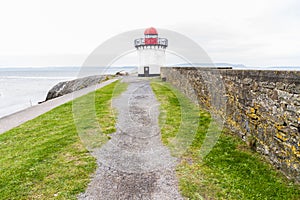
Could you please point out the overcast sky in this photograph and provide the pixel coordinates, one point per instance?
(64, 32)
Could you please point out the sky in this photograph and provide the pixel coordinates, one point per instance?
(65, 32)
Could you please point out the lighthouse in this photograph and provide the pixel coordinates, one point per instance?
(151, 53)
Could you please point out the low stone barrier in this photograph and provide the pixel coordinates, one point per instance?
(262, 107)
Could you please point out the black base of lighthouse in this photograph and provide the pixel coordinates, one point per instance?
(148, 75)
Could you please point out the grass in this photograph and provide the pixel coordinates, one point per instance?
(45, 158)
(231, 170)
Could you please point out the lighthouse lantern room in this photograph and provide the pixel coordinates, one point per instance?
(151, 53)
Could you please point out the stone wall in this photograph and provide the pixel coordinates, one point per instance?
(262, 107)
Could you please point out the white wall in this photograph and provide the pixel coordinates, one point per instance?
(153, 69)
(152, 57)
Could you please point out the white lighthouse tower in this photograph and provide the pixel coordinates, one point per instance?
(151, 53)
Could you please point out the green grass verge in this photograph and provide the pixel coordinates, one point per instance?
(45, 159)
(230, 171)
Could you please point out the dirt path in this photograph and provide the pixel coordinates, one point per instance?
(134, 164)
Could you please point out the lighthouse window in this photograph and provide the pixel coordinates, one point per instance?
(150, 36)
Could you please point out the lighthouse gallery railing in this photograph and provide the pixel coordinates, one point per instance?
(163, 42)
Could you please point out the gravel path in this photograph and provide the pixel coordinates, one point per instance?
(134, 164)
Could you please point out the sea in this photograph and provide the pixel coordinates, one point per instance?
(23, 87)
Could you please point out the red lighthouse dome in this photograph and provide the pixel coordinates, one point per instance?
(150, 31)
(151, 36)
(151, 40)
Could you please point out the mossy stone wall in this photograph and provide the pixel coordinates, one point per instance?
(262, 107)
